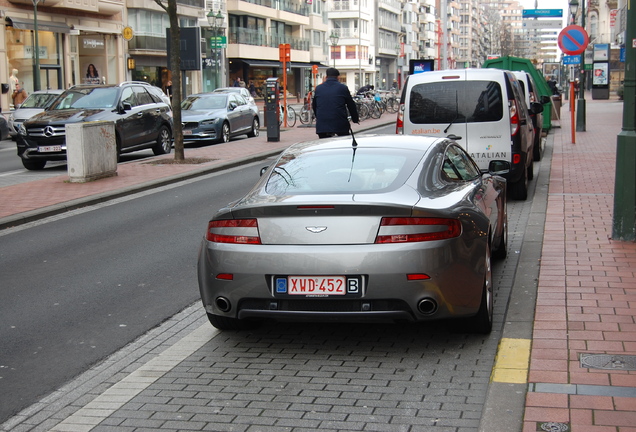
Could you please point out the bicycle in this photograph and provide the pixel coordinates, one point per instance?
(291, 115)
(306, 115)
(362, 107)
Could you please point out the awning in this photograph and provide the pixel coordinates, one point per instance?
(272, 63)
(49, 26)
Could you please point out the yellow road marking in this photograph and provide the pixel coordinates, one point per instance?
(512, 361)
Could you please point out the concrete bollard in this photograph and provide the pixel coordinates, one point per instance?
(91, 151)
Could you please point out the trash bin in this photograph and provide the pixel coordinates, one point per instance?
(556, 107)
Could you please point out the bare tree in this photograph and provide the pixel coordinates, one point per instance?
(170, 6)
(493, 26)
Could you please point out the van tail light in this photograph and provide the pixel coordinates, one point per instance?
(417, 229)
(237, 231)
(514, 118)
(516, 159)
(399, 125)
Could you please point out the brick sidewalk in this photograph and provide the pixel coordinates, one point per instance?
(586, 301)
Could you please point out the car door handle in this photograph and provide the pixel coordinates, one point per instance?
(139, 114)
(158, 111)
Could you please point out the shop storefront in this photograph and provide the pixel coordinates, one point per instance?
(257, 71)
(96, 58)
(20, 51)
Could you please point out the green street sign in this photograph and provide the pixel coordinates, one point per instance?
(218, 42)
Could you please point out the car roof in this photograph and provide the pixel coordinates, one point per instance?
(229, 89)
(409, 142)
(207, 94)
(461, 74)
(49, 91)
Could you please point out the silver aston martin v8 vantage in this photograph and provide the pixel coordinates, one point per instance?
(379, 227)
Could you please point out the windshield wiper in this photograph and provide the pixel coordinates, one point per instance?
(456, 113)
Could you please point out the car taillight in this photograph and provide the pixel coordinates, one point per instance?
(514, 118)
(399, 125)
(417, 229)
(238, 231)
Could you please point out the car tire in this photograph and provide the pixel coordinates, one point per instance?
(531, 171)
(255, 128)
(225, 133)
(537, 151)
(33, 165)
(482, 322)
(519, 189)
(226, 323)
(164, 142)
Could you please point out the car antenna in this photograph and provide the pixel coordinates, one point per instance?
(354, 146)
(354, 143)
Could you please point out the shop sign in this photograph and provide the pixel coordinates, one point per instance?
(43, 52)
(93, 43)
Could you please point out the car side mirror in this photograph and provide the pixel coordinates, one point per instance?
(232, 106)
(536, 108)
(544, 99)
(499, 167)
(126, 106)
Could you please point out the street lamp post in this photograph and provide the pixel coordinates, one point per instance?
(216, 21)
(580, 102)
(36, 48)
(574, 7)
(333, 37)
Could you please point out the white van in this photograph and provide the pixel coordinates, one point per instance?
(484, 109)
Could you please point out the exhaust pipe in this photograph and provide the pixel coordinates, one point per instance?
(427, 306)
(223, 304)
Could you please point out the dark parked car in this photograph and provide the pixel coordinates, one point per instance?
(4, 128)
(142, 120)
(218, 117)
(386, 227)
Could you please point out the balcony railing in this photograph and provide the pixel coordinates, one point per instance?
(346, 5)
(259, 38)
(346, 32)
(295, 7)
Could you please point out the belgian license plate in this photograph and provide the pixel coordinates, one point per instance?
(187, 132)
(44, 149)
(317, 286)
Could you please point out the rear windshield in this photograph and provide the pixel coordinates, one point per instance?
(342, 171)
(456, 101)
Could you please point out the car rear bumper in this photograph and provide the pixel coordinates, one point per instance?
(456, 271)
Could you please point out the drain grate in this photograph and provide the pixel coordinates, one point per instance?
(608, 361)
(553, 427)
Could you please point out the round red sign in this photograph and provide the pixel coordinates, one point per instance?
(573, 40)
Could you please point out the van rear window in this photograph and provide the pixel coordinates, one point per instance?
(457, 102)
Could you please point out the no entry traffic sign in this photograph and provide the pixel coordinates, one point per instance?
(573, 40)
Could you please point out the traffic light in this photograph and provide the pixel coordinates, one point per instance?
(284, 51)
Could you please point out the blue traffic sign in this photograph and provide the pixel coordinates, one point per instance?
(540, 13)
(574, 59)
